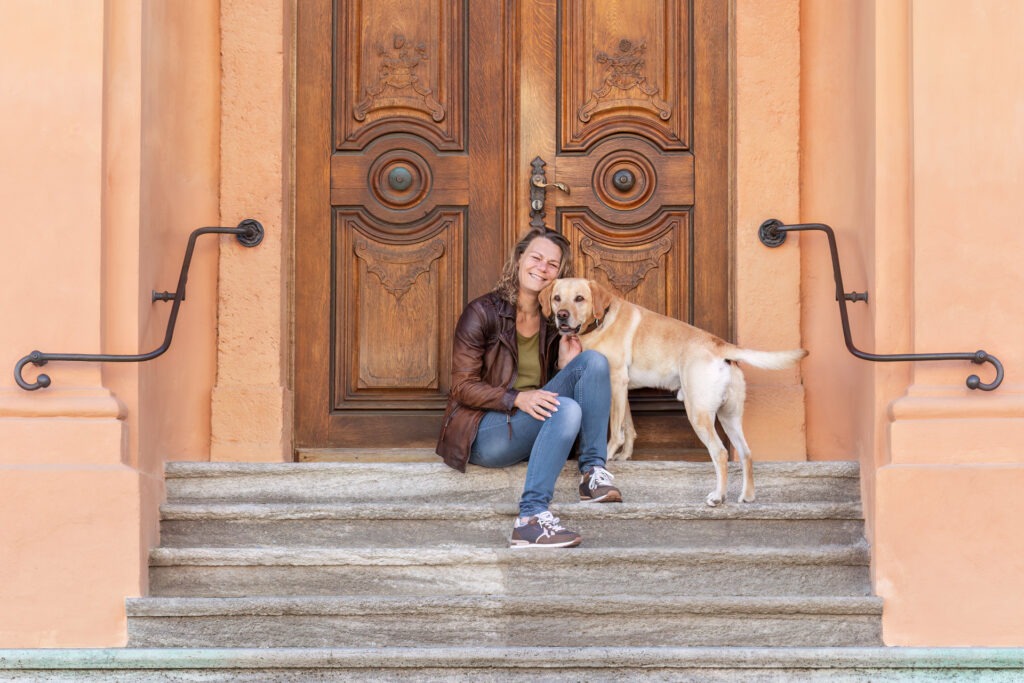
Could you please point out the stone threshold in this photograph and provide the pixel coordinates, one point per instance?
(454, 658)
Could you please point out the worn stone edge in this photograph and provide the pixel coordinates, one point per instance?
(515, 658)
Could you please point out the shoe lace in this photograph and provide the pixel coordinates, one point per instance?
(599, 476)
(549, 523)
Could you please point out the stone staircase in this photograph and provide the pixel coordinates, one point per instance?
(384, 571)
(415, 555)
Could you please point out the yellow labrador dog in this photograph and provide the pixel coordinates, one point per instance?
(646, 349)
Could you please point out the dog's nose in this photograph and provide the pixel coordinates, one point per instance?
(562, 315)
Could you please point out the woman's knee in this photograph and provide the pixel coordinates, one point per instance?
(595, 361)
(569, 415)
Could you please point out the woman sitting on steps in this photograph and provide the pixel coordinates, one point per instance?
(520, 391)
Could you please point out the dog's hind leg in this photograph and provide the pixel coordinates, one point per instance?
(731, 417)
(732, 424)
(628, 433)
(704, 386)
(703, 422)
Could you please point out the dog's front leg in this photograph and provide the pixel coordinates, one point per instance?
(618, 415)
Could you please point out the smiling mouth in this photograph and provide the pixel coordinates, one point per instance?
(565, 329)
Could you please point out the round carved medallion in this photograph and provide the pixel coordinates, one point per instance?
(400, 178)
(624, 180)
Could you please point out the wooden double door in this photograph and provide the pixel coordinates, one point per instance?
(423, 130)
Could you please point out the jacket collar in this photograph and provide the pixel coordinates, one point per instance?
(506, 310)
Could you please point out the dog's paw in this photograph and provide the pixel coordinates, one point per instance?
(715, 499)
(746, 499)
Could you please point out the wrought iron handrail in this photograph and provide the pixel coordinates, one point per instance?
(772, 233)
(249, 233)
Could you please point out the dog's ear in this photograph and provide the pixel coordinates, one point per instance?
(602, 299)
(545, 299)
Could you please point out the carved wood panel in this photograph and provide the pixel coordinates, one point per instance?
(396, 300)
(625, 69)
(400, 67)
(626, 180)
(641, 264)
(399, 178)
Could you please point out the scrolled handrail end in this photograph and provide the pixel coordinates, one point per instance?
(42, 381)
(974, 382)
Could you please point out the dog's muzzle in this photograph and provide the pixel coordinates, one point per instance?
(563, 324)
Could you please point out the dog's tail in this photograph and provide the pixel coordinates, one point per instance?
(767, 360)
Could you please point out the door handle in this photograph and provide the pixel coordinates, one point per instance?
(539, 191)
(538, 181)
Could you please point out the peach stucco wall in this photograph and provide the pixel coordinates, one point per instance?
(912, 150)
(180, 171)
(838, 189)
(766, 176)
(129, 124)
(252, 397)
(108, 157)
(69, 500)
(957, 457)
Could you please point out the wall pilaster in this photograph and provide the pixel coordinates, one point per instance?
(251, 399)
(69, 495)
(766, 162)
(948, 512)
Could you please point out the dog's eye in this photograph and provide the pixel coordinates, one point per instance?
(556, 298)
(579, 298)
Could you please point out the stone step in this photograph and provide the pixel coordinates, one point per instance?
(397, 525)
(456, 571)
(504, 621)
(354, 482)
(596, 664)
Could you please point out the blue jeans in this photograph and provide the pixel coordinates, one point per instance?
(584, 397)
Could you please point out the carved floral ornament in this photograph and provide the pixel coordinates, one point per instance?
(398, 80)
(625, 269)
(624, 73)
(398, 270)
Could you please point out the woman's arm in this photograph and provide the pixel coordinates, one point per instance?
(568, 348)
(469, 352)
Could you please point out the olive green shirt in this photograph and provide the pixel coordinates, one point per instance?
(529, 363)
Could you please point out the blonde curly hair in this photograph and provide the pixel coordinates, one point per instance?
(508, 284)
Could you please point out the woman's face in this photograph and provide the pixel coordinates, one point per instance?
(539, 264)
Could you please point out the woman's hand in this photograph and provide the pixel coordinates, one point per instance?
(569, 346)
(537, 403)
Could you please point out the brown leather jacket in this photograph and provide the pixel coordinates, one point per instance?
(485, 359)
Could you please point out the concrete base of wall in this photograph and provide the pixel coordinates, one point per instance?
(70, 533)
(949, 554)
